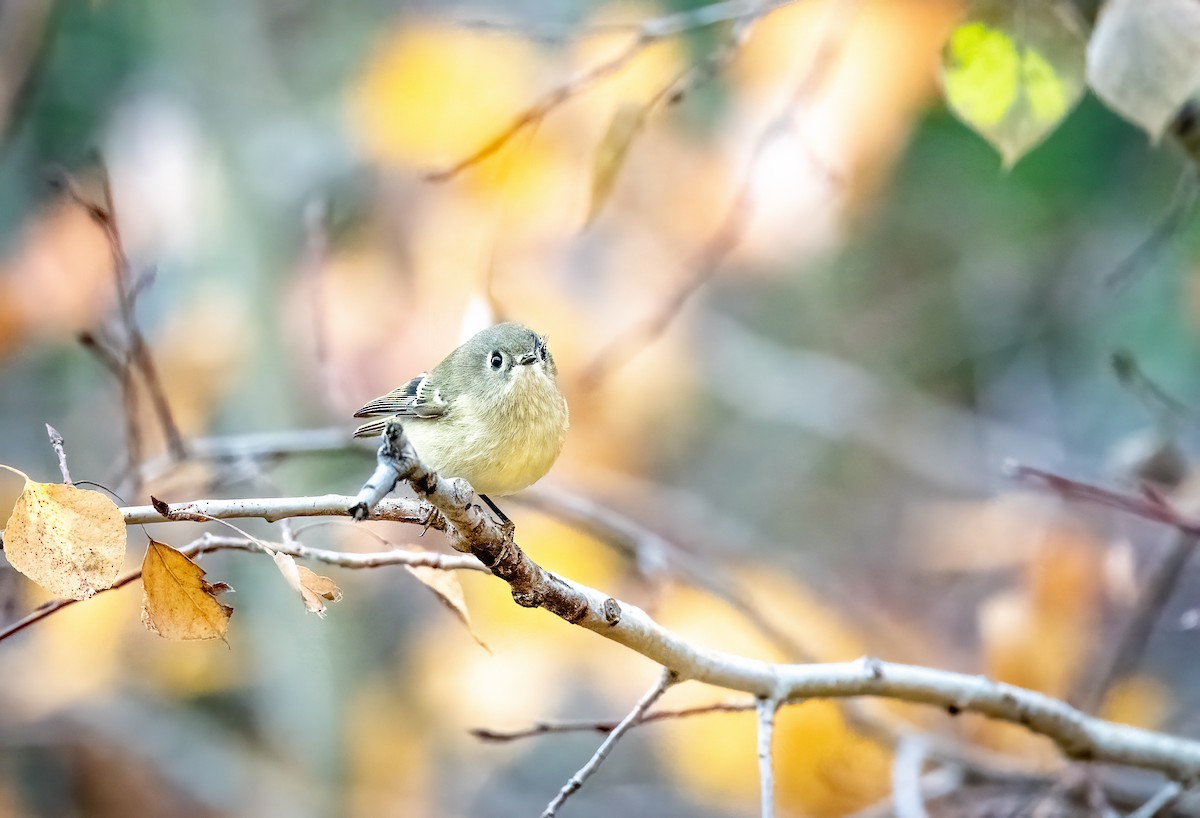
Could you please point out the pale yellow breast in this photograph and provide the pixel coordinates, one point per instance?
(502, 446)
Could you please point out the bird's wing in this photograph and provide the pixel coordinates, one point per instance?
(417, 399)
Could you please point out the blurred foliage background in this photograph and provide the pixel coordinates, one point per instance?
(822, 426)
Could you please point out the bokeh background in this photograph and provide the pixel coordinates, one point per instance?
(812, 448)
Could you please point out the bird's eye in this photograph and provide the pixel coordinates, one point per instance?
(496, 359)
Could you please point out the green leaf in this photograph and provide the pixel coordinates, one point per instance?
(1014, 69)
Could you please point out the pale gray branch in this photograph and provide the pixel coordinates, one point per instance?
(1162, 800)
(767, 708)
(588, 770)
(906, 778)
(59, 445)
(273, 509)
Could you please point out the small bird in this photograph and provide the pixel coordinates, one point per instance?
(491, 412)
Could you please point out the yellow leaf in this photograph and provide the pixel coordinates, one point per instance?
(611, 153)
(69, 541)
(1014, 69)
(313, 588)
(178, 603)
(449, 590)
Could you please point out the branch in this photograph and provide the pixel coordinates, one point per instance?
(1167, 797)
(588, 770)
(134, 355)
(1078, 735)
(667, 25)
(273, 509)
(766, 708)
(650, 32)
(59, 445)
(1149, 506)
(542, 728)
(729, 233)
(906, 779)
(1151, 602)
(209, 543)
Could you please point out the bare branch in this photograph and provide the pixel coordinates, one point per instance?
(767, 708)
(1078, 735)
(273, 509)
(57, 443)
(649, 33)
(547, 103)
(209, 543)
(729, 233)
(543, 728)
(102, 351)
(935, 784)
(23, 28)
(906, 778)
(1164, 799)
(665, 26)
(588, 770)
(1149, 506)
(1131, 646)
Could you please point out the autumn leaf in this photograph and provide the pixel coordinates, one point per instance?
(1143, 59)
(611, 153)
(68, 540)
(313, 588)
(449, 591)
(1013, 70)
(178, 603)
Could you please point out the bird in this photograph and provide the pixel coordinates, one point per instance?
(491, 412)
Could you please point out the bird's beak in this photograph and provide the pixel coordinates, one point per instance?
(538, 354)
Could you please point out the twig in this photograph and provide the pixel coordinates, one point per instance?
(906, 778)
(1183, 204)
(209, 543)
(102, 352)
(138, 354)
(23, 28)
(1165, 408)
(57, 443)
(1148, 506)
(273, 509)
(547, 103)
(729, 233)
(766, 708)
(648, 33)
(135, 357)
(935, 784)
(260, 446)
(665, 26)
(314, 256)
(588, 770)
(1160, 586)
(1164, 799)
(542, 728)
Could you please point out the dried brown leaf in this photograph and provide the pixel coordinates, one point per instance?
(68, 540)
(313, 588)
(449, 591)
(178, 603)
